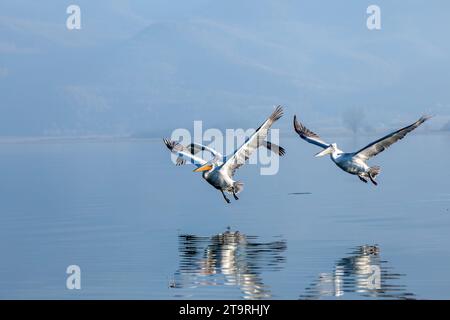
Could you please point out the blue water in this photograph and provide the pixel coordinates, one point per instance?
(141, 228)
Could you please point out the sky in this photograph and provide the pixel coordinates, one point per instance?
(145, 68)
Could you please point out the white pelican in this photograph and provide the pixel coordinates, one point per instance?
(220, 170)
(355, 162)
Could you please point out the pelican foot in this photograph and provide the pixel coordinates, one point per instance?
(225, 197)
(362, 179)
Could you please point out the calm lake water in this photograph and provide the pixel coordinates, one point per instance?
(141, 228)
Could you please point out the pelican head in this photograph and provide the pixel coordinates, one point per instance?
(331, 148)
(206, 167)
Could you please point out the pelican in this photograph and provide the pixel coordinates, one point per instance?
(355, 162)
(219, 171)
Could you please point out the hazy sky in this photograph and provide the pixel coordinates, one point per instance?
(148, 67)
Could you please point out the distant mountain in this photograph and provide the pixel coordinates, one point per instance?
(224, 69)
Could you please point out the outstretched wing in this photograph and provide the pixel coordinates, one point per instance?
(382, 144)
(195, 148)
(274, 148)
(308, 135)
(183, 153)
(243, 153)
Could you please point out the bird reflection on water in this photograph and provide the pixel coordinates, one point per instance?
(362, 273)
(228, 259)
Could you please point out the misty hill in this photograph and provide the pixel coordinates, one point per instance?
(227, 70)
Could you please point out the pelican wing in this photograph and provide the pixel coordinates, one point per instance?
(195, 148)
(308, 135)
(243, 153)
(382, 144)
(274, 148)
(183, 153)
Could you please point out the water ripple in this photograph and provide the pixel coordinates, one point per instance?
(228, 259)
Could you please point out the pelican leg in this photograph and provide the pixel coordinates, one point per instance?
(225, 197)
(371, 179)
(362, 179)
(235, 196)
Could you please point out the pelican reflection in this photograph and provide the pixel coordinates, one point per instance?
(229, 259)
(362, 273)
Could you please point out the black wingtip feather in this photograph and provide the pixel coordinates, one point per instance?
(277, 114)
(424, 118)
(296, 124)
(170, 144)
(302, 130)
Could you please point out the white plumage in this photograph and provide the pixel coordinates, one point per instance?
(355, 162)
(219, 171)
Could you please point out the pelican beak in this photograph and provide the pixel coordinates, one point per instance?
(205, 167)
(324, 152)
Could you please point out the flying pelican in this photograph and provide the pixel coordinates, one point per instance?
(355, 162)
(219, 171)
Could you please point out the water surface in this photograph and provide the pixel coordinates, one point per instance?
(140, 227)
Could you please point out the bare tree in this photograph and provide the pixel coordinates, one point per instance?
(354, 118)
